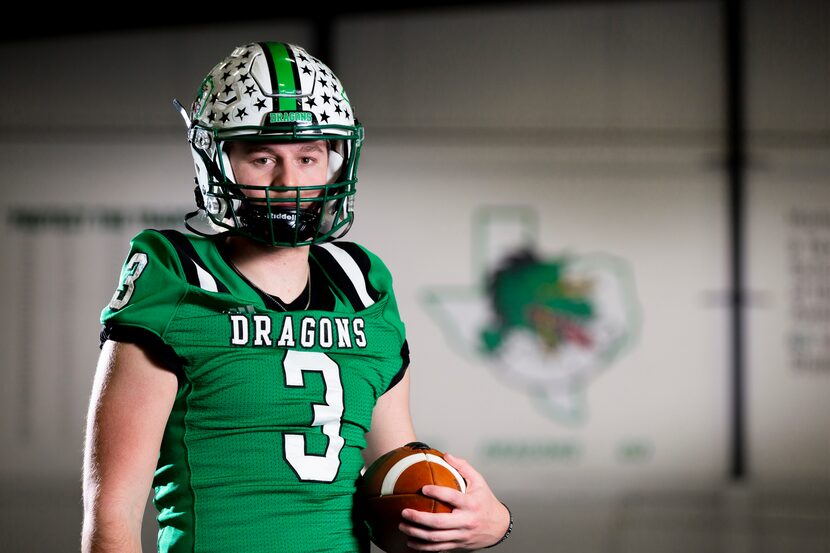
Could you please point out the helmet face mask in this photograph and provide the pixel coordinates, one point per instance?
(274, 93)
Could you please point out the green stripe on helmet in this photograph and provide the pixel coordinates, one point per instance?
(285, 75)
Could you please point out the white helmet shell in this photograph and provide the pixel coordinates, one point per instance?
(276, 92)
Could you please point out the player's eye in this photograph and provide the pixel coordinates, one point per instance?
(262, 161)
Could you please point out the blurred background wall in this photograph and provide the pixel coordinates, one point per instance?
(595, 135)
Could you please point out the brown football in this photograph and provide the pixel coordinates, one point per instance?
(393, 483)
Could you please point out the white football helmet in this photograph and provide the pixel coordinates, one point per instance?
(273, 92)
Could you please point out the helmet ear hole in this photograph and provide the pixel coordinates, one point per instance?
(217, 207)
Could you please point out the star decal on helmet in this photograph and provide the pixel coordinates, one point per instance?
(324, 117)
(241, 112)
(249, 90)
(260, 104)
(326, 98)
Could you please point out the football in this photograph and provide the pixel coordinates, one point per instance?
(393, 483)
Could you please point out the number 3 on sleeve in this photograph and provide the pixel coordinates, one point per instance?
(135, 266)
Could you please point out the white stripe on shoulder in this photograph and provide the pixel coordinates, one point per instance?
(352, 271)
(206, 281)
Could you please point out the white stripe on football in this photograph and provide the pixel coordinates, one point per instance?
(391, 478)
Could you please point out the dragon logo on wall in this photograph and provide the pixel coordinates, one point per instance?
(548, 324)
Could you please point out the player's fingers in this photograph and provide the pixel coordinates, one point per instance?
(470, 474)
(445, 494)
(428, 535)
(418, 545)
(440, 521)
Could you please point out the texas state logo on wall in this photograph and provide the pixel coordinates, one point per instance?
(548, 323)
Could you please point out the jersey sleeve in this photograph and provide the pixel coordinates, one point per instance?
(151, 285)
(380, 278)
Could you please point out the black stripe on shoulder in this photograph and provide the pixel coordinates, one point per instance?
(363, 261)
(322, 297)
(152, 345)
(189, 269)
(404, 366)
(188, 256)
(405, 354)
(342, 284)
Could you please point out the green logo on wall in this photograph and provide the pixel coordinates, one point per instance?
(548, 324)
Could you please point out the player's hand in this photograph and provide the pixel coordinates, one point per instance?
(478, 518)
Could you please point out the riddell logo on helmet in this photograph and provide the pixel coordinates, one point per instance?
(290, 117)
(283, 216)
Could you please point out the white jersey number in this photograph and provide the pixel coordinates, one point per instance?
(135, 266)
(318, 468)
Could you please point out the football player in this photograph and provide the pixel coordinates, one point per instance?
(249, 370)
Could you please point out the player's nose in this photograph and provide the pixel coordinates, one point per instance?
(286, 184)
(286, 175)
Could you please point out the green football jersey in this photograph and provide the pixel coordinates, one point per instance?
(262, 449)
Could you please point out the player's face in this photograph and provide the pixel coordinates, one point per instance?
(296, 164)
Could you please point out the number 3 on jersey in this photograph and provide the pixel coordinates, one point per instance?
(318, 468)
(132, 270)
